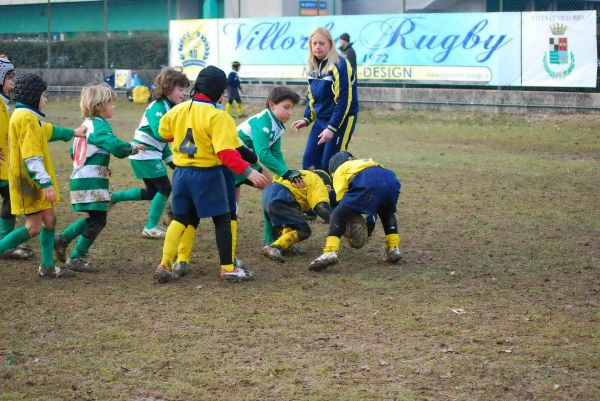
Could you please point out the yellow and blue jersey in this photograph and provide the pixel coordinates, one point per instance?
(332, 94)
(346, 172)
(313, 192)
(198, 131)
(4, 118)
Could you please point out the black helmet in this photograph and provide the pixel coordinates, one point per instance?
(211, 81)
(337, 160)
(236, 64)
(29, 88)
(325, 177)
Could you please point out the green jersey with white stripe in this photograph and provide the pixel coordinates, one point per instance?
(89, 181)
(151, 163)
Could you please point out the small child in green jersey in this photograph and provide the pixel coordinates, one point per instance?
(150, 165)
(31, 179)
(90, 177)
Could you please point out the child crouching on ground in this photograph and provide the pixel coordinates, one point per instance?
(90, 177)
(283, 205)
(361, 186)
(32, 182)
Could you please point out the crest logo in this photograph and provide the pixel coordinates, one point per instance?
(559, 62)
(193, 49)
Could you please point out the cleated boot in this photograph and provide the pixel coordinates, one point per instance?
(81, 265)
(19, 252)
(56, 272)
(162, 275)
(239, 263)
(238, 274)
(154, 233)
(273, 252)
(294, 250)
(323, 262)
(181, 269)
(60, 248)
(393, 255)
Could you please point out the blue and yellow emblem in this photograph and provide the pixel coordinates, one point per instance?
(193, 49)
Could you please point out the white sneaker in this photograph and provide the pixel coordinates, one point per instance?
(393, 255)
(154, 233)
(322, 262)
(238, 274)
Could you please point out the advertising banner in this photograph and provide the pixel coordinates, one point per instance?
(559, 49)
(459, 49)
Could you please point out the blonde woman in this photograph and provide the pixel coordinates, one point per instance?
(331, 104)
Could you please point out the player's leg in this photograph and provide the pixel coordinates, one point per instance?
(238, 100)
(95, 223)
(337, 227)
(161, 188)
(131, 194)
(32, 227)
(390, 227)
(64, 238)
(7, 225)
(230, 98)
(186, 243)
(287, 216)
(47, 220)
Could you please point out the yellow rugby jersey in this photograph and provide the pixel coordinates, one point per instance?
(28, 137)
(313, 193)
(198, 131)
(346, 172)
(4, 117)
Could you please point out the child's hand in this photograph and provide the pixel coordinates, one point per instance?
(296, 125)
(137, 147)
(49, 194)
(80, 131)
(257, 179)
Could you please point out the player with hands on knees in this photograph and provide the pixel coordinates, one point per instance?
(362, 186)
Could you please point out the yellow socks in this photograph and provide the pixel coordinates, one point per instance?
(332, 244)
(233, 238)
(240, 109)
(391, 241)
(227, 268)
(186, 243)
(288, 238)
(172, 239)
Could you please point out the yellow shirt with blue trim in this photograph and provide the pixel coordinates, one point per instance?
(198, 131)
(4, 118)
(28, 137)
(346, 172)
(313, 193)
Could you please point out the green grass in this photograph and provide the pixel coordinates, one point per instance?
(499, 216)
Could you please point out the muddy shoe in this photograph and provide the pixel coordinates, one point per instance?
(273, 252)
(60, 248)
(181, 269)
(323, 262)
(393, 255)
(294, 250)
(56, 272)
(238, 274)
(162, 275)
(81, 265)
(154, 233)
(20, 252)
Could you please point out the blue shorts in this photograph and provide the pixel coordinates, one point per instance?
(209, 190)
(281, 207)
(371, 189)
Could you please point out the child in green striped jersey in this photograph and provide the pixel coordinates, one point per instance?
(90, 177)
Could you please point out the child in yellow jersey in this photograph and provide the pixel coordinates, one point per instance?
(283, 205)
(361, 186)
(32, 182)
(204, 142)
(7, 219)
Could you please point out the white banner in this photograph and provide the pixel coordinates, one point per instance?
(559, 49)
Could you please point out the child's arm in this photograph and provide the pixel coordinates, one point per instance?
(167, 156)
(107, 140)
(33, 161)
(58, 133)
(269, 156)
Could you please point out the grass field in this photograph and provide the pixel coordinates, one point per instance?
(497, 296)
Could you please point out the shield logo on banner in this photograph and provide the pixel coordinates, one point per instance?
(558, 61)
(79, 151)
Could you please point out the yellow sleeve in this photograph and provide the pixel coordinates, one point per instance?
(47, 130)
(340, 182)
(165, 129)
(316, 191)
(224, 133)
(31, 146)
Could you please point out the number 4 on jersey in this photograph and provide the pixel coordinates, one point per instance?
(188, 146)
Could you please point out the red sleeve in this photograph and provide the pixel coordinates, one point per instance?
(232, 159)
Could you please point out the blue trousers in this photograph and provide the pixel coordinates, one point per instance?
(318, 156)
